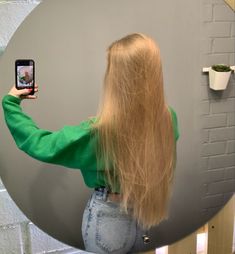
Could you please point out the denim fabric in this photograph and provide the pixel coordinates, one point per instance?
(106, 229)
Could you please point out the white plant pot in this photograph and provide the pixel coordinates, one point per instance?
(218, 80)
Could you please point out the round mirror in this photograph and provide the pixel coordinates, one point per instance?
(68, 42)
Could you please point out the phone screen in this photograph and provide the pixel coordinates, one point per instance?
(24, 74)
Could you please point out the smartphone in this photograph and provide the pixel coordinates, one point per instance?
(25, 74)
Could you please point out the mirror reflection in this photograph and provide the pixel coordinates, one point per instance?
(73, 77)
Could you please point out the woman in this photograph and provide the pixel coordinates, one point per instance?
(127, 153)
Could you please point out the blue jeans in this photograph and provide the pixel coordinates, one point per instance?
(106, 229)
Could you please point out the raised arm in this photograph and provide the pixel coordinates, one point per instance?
(72, 146)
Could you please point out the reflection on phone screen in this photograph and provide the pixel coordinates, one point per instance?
(25, 76)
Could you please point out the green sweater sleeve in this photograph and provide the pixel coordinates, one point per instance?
(175, 123)
(72, 146)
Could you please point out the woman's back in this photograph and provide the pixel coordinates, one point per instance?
(135, 128)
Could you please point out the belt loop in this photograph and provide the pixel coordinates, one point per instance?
(105, 194)
(102, 193)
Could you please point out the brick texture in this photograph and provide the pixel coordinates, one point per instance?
(223, 13)
(218, 131)
(218, 29)
(233, 30)
(205, 108)
(220, 58)
(213, 200)
(214, 175)
(205, 136)
(222, 134)
(229, 173)
(231, 146)
(42, 242)
(221, 187)
(9, 212)
(11, 16)
(232, 60)
(214, 148)
(11, 240)
(214, 121)
(220, 161)
(223, 106)
(231, 119)
(223, 45)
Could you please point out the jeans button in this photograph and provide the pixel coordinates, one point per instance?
(146, 239)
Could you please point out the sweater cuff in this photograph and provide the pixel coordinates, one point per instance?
(11, 98)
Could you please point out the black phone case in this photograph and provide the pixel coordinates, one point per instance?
(24, 62)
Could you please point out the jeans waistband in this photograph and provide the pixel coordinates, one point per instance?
(101, 193)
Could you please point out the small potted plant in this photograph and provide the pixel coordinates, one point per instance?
(219, 76)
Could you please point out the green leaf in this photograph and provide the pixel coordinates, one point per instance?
(221, 68)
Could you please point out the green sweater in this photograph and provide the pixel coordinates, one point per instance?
(71, 146)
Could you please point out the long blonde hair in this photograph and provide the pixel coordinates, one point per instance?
(137, 145)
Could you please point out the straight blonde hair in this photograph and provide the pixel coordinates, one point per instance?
(136, 139)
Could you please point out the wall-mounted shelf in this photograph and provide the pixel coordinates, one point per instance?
(206, 69)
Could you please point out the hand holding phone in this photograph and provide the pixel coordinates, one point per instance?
(25, 74)
(23, 93)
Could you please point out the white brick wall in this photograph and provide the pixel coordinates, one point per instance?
(231, 119)
(216, 58)
(9, 212)
(46, 243)
(217, 108)
(213, 148)
(214, 121)
(12, 13)
(18, 235)
(222, 12)
(222, 134)
(11, 240)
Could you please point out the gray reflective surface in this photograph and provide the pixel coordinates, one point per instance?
(68, 41)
